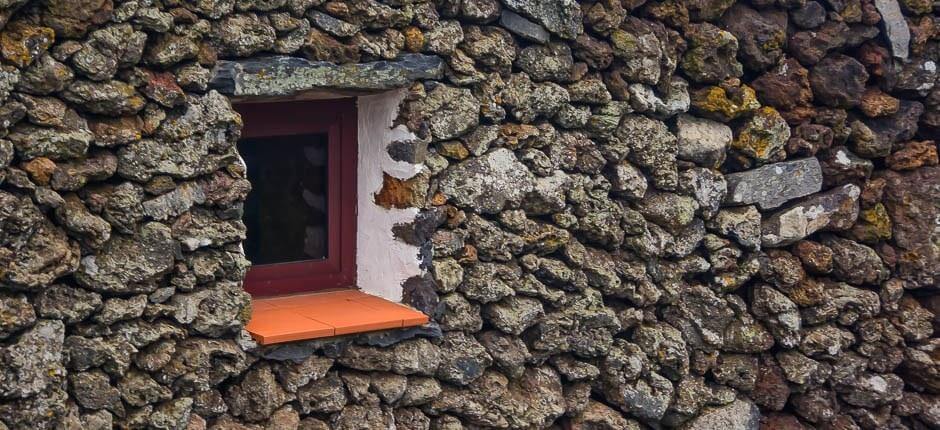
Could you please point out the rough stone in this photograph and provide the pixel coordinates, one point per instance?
(130, 264)
(835, 209)
(895, 27)
(772, 185)
(560, 17)
(702, 141)
(739, 415)
(274, 76)
(838, 81)
(473, 183)
(522, 27)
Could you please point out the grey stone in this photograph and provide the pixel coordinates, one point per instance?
(562, 17)
(664, 103)
(835, 209)
(522, 27)
(739, 415)
(772, 185)
(33, 362)
(280, 75)
(130, 264)
(463, 359)
(743, 224)
(702, 141)
(488, 183)
(329, 24)
(895, 27)
(551, 62)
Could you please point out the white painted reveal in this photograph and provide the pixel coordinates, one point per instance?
(383, 263)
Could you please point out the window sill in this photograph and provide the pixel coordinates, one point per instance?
(318, 315)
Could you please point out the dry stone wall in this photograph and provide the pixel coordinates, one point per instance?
(634, 214)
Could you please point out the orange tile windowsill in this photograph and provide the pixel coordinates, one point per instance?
(317, 315)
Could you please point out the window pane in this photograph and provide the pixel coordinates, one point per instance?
(286, 210)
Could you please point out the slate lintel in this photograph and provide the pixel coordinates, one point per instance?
(278, 76)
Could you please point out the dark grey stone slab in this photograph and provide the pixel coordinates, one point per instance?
(522, 27)
(774, 184)
(283, 76)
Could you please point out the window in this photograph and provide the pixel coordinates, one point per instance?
(301, 212)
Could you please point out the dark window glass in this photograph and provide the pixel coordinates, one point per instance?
(286, 210)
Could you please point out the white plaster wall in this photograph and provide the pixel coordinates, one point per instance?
(383, 262)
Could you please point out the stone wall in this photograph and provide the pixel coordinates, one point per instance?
(680, 213)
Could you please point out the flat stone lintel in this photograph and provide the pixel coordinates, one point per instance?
(277, 76)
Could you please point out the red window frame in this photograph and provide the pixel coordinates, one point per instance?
(337, 119)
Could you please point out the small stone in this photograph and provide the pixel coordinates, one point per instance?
(334, 26)
(113, 98)
(68, 303)
(810, 46)
(320, 46)
(552, 62)
(875, 103)
(762, 136)
(741, 224)
(913, 155)
(402, 193)
(626, 180)
(128, 264)
(739, 415)
(772, 185)
(835, 209)
(785, 87)
(15, 314)
(895, 27)
(702, 141)
(242, 35)
(487, 183)
(652, 147)
(520, 26)
(760, 36)
(22, 43)
(855, 263)
(463, 359)
(710, 57)
(810, 15)
(838, 81)
(562, 17)
(724, 105)
(669, 210)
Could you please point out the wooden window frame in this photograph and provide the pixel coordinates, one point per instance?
(338, 120)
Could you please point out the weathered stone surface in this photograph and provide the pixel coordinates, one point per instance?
(760, 37)
(702, 141)
(33, 362)
(772, 185)
(552, 62)
(35, 252)
(474, 183)
(836, 209)
(762, 136)
(838, 81)
(652, 147)
(276, 76)
(739, 415)
(522, 27)
(895, 27)
(561, 17)
(130, 263)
